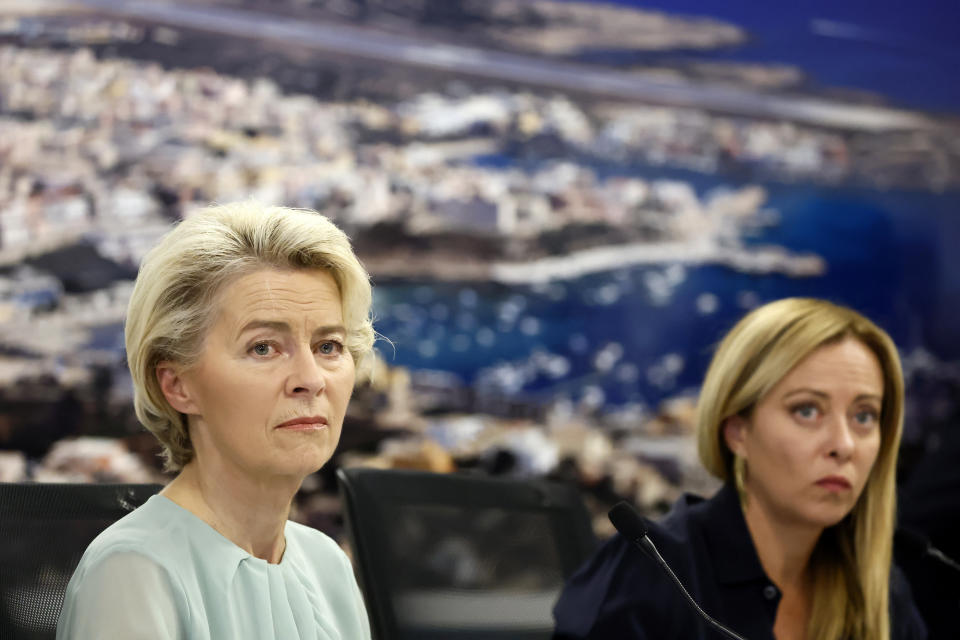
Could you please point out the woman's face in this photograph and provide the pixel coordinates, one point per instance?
(270, 390)
(812, 440)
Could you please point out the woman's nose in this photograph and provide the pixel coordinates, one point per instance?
(306, 375)
(842, 442)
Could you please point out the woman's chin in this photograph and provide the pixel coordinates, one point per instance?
(298, 466)
(827, 516)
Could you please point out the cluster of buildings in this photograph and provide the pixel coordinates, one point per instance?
(114, 150)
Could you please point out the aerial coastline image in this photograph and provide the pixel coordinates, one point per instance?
(562, 205)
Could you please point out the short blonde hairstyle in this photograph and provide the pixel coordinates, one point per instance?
(173, 303)
(851, 564)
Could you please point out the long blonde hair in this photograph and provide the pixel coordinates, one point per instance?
(175, 298)
(851, 563)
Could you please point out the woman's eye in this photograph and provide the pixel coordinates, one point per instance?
(261, 349)
(867, 416)
(330, 347)
(806, 411)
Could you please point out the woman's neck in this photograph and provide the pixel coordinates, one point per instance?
(248, 512)
(784, 549)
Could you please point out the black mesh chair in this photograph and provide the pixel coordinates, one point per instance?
(44, 529)
(462, 557)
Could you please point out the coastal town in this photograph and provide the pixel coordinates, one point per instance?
(466, 181)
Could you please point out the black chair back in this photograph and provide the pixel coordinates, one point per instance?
(44, 530)
(462, 557)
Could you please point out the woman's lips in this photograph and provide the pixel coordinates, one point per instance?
(834, 483)
(309, 423)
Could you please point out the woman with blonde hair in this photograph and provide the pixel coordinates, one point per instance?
(245, 332)
(800, 415)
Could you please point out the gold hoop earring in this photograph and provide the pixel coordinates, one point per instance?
(740, 476)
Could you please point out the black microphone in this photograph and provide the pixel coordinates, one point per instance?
(630, 524)
(921, 545)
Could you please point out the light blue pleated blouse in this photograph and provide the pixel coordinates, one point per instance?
(162, 573)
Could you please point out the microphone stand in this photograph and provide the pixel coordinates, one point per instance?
(630, 524)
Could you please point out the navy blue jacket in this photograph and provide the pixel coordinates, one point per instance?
(620, 594)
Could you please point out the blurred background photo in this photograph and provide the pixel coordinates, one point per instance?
(563, 206)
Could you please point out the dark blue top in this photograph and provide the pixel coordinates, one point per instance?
(621, 594)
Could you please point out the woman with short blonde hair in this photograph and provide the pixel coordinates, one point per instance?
(173, 302)
(246, 330)
(800, 415)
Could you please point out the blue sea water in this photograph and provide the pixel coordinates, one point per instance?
(642, 334)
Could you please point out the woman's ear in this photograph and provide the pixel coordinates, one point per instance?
(735, 433)
(174, 388)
